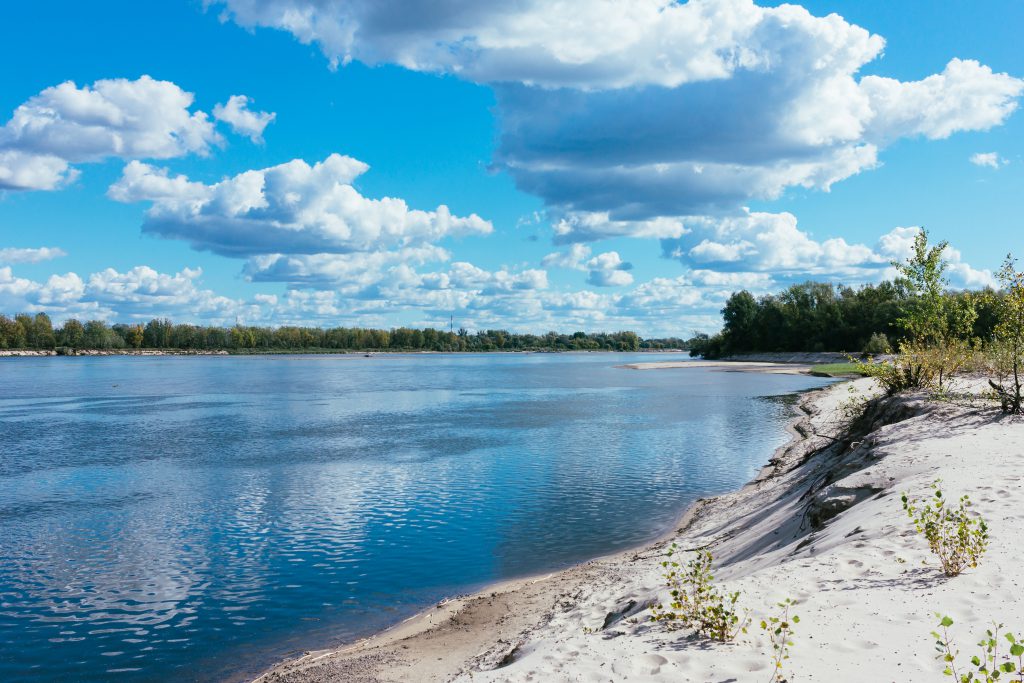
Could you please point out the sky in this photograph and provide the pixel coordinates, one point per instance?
(528, 165)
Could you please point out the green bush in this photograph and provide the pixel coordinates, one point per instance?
(877, 345)
(696, 602)
(953, 534)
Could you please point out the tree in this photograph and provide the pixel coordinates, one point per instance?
(740, 316)
(1008, 349)
(134, 336)
(938, 325)
(72, 334)
(923, 274)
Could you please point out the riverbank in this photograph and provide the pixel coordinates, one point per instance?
(822, 524)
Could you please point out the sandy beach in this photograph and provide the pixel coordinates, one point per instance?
(821, 524)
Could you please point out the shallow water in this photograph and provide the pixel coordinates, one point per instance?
(197, 518)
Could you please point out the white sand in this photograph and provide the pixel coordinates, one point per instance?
(769, 367)
(866, 583)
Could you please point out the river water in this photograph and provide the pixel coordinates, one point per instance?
(197, 518)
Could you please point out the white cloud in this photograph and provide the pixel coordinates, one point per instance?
(631, 111)
(138, 293)
(771, 243)
(65, 124)
(609, 270)
(31, 255)
(572, 258)
(292, 208)
(236, 113)
(347, 273)
(990, 159)
(60, 294)
(965, 96)
(587, 226)
(606, 270)
(758, 244)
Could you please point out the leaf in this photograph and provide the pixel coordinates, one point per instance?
(946, 621)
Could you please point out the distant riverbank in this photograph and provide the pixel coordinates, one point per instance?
(30, 353)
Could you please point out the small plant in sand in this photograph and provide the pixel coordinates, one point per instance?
(958, 538)
(696, 601)
(780, 631)
(854, 407)
(989, 664)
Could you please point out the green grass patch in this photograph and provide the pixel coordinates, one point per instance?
(836, 369)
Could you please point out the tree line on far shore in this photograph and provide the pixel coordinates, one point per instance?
(926, 333)
(821, 316)
(36, 332)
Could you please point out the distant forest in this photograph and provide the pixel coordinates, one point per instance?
(25, 331)
(819, 316)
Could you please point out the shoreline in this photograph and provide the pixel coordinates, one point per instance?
(432, 620)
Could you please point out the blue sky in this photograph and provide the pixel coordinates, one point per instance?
(614, 165)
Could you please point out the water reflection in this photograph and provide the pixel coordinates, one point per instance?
(169, 516)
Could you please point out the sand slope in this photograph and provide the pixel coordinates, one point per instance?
(823, 525)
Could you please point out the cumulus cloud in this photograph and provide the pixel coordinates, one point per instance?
(66, 124)
(768, 242)
(347, 273)
(609, 270)
(572, 258)
(605, 270)
(140, 292)
(655, 108)
(771, 244)
(236, 113)
(581, 226)
(292, 208)
(31, 255)
(989, 159)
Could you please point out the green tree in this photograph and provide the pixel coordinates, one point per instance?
(740, 316)
(1008, 350)
(923, 274)
(72, 334)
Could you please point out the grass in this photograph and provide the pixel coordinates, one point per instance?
(836, 369)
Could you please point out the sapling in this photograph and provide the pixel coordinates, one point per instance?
(958, 538)
(780, 631)
(989, 665)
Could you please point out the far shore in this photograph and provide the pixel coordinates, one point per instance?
(36, 353)
(770, 363)
(821, 524)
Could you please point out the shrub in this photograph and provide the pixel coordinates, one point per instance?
(696, 602)
(877, 345)
(953, 534)
(910, 369)
(990, 664)
(780, 631)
